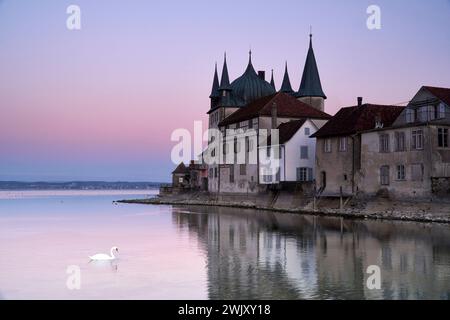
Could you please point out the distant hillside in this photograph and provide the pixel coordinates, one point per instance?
(77, 185)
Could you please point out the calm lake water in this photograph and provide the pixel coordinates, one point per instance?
(170, 252)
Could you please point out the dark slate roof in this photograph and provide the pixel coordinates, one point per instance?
(286, 85)
(180, 169)
(250, 86)
(310, 85)
(287, 107)
(230, 100)
(351, 120)
(225, 79)
(215, 87)
(272, 82)
(442, 94)
(287, 130)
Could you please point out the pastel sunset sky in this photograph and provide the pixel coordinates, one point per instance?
(101, 103)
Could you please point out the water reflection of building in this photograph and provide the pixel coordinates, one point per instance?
(286, 256)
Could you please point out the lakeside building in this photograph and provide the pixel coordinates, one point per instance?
(242, 109)
(339, 150)
(400, 152)
(411, 158)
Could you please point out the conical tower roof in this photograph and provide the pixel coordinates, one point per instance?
(286, 85)
(215, 87)
(310, 85)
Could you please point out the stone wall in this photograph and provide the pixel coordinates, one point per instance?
(440, 186)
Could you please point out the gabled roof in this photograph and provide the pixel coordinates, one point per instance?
(442, 94)
(180, 169)
(287, 107)
(310, 85)
(351, 120)
(287, 130)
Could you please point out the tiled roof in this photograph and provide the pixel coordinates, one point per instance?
(442, 94)
(287, 107)
(351, 120)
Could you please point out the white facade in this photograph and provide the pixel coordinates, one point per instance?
(296, 160)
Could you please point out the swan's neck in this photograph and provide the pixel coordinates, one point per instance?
(112, 253)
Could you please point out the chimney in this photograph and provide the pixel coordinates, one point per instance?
(274, 115)
(262, 75)
(360, 101)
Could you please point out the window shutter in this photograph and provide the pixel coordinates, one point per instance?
(310, 174)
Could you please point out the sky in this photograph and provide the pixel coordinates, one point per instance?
(101, 103)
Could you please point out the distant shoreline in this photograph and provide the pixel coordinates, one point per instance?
(23, 194)
(77, 185)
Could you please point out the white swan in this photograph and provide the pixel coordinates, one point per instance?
(104, 256)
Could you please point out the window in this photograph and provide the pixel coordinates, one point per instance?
(423, 114)
(443, 138)
(401, 172)
(410, 115)
(343, 144)
(441, 110)
(267, 178)
(215, 172)
(180, 180)
(304, 174)
(384, 142)
(303, 152)
(232, 173)
(307, 132)
(417, 139)
(384, 175)
(268, 151)
(432, 112)
(242, 169)
(255, 123)
(210, 172)
(327, 145)
(417, 172)
(400, 141)
(250, 124)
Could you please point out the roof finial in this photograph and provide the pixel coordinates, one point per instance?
(310, 36)
(250, 55)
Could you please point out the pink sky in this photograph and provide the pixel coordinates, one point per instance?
(101, 103)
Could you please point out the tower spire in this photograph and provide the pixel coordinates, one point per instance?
(215, 86)
(286, 85)
(272, 82)
(224, 80)
(310, 85)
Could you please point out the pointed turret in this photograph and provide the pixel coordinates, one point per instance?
(224, 80)
(286, 85)
(215, 86)
(310, 90)
(215, 94)
(272, 82)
